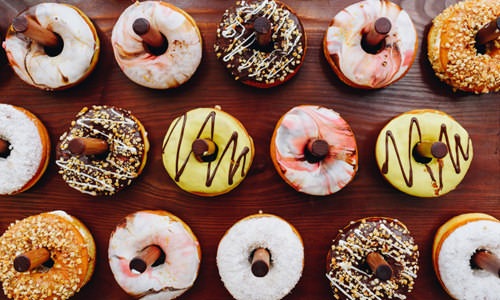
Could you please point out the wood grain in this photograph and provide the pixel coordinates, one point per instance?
(316, 218)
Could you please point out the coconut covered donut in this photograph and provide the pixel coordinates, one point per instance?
(154, 255)
(464, 48)
(466, 255)
(260, 257)
(424, 153)
(262, 43)
(314, 150)
(24, 149)
(207, 152)
(373, 258)
(168, 55)
(371, 44)
(103, 151)
(46, 256)
(52, 46)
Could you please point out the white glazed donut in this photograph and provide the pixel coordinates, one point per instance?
(170, 69)
(455, 243)
(167, 280)
(77, 59)
(286, 254)
(29, 149)
(343, 49)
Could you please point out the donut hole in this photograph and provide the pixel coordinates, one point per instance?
(313, 158)
(156, 51)
(161, 259)
(5, 149)
(419, 158)
(370, 48)
(56, 50)
(267, 48)
(49, 263)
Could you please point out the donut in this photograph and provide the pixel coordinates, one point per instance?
(424, 152)
(262, 43)
(465, 255)
(314, 150)
(46, 256)
(166, 64)
(373, 258)
(154, 255)
(207, 152)
(275, 272)
(62, 55)
(460, 54)
(371, 44)
(103, 151)
(24, 149)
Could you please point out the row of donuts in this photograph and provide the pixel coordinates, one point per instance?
(155, 255)
(262, 43)
(208, 152)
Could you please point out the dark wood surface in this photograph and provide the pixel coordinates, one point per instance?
(316, 218)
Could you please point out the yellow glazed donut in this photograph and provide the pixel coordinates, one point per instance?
(154, 255)
(34, 63)
(354, 63)
(24, 149)
(454, 43)
(424, 153)
(207, 152)
(144, 65)
(46, 256)
(284, 258)
(466, 254)
(314, 150)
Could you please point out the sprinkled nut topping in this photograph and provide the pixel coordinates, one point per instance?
(349, 274)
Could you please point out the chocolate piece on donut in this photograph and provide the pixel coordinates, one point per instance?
(103, 151)
(207, 152)
(260, 241)
(60, 253)
(52, 46)
(373, 258)
(252, 53)
(371, 44)
(165, 245)
(460, 53)
(466, 256)
(314, 150)
(164, 54)
(25, 149)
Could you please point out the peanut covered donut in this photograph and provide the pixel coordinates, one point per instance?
(154, 255)
(371, 44)
(262, 43)
(207, 152)
(24, 149)
(466, 256)
(46, 256)
(314, 150)
(260, 257)
(71, 56)
(373, 258)
(424, 153)
(464, 48)
(103, 151)
(170, 62)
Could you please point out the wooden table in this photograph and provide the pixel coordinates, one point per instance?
(316, 218)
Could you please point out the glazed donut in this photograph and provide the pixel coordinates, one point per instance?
(236, 261)
(154, 255)
(371, 44)
(424, 153)
(466, 253)
(207, 152)
(373, 258)
(24, 149)
(67, 54)
(103, 151)
(46, 256)
(262, 43)
(163, 66)
(314, 150)
(454, 45)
